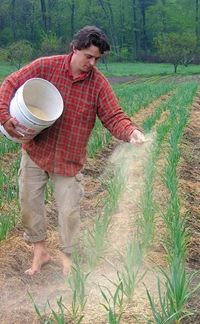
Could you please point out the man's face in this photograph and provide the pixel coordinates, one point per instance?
(86, 58)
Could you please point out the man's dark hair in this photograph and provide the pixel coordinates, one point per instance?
(90, 35)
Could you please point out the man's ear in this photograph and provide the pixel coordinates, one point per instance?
(74, 49)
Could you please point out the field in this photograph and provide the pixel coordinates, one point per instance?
(138, 255)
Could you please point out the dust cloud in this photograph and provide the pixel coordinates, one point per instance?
(128, 161)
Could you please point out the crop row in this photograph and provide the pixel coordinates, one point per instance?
(173, 282)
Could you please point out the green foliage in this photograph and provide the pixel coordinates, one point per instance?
(95, 239)
(174, 290)
(8, 185)
(113, 303)
(3, 54)
(99, 139)
(131, 273)
(7, 222)
(131, 28)
(171, 306)
(77, 280)
(20, 52)
(59, 316)
(6, 36)
(173, 295)
(7, 146)
(51, 44)
(176, 48)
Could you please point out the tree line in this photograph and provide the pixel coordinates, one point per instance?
(145, 30)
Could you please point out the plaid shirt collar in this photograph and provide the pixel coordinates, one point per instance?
(82, 76)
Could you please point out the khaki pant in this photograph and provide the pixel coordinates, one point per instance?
(68, 192)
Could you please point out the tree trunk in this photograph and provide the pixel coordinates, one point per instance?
(197, 24)
(72, 17)
(112, 25)
(122, 20)
(163, 15)
(32, 25)
(144, 32)
(107, 8)
(175, 68)
(44, 14)
(48, 18)
(135, 30)
(13, 19)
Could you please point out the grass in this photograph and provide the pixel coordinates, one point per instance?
(132, 98)
(173, 300)
(146, 69)
(77, 282)
(99, 139)
(113, 303)
(173, 288)
(7, 146)
(5, 69)
(7, 222)
(131, 273)
(126, 69)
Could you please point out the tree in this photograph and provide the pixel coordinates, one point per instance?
(131, 25)
(108, 11)
(197, 24)
(144, 4)
(176, 48)
(72, 16)
(20, 52)
(13, 8)
(44, 14)
(51, 45)
(135, 29)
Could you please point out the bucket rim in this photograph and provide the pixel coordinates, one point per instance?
(42, 80)
(24, 103)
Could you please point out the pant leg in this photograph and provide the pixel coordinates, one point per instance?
(68, 192)
(32, 182)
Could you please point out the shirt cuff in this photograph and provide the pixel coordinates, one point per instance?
(131, 132)
(4, 119)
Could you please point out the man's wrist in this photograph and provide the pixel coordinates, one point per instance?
(5, 120)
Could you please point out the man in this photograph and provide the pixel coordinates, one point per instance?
(58, 153)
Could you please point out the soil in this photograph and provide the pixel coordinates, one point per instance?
(190, 183)
(18, 290)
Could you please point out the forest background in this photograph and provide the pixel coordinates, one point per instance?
(138, 30)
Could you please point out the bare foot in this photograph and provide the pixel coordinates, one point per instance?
(40, 257)
(66, 263)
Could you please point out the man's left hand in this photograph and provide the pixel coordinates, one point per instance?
(137, 137)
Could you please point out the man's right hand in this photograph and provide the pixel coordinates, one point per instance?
(10, 127)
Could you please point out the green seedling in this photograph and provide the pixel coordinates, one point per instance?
(113, 303)
(77, 281)
(130, 275)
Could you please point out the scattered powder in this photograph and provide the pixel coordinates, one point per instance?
(50, 284)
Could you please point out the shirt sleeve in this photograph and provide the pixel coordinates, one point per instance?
(112, 116)
(12, 83)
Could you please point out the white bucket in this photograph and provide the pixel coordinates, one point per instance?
(36, 105)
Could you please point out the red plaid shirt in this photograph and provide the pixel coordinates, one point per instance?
(61, 148)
